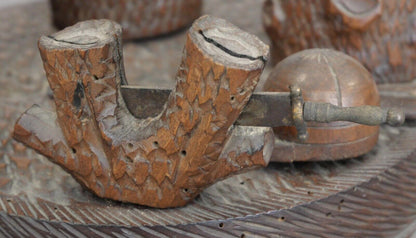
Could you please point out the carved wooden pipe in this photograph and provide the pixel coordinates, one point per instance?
(163, 161)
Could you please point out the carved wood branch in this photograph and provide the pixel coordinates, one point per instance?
(163, 161)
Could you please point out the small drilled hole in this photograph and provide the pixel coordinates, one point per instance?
(74, 150)
(281, 218)
(129, 159)
(183, 152)
(55, 208)
(242, 182)
(130, 145)
(232, 98)
(9, 200)
(243, 235)
(328, 214)
(309, 193)
(221, 225)
(95, 77)
(342, 201)
(185, 190)
(155, 143)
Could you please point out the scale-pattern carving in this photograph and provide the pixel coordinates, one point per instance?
(163, 161)
(377, 205)
(42, 200)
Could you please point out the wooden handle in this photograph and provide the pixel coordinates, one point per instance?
(163, 161)
(367, 115)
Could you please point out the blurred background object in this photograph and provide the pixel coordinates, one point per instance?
(139, 18)
(378, 33)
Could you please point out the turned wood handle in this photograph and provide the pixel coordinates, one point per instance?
(367, 115)
(161, 161)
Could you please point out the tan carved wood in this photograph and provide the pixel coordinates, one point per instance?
(368, 196)
(163, 161)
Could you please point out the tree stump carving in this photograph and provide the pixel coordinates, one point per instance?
(163, 161)
(377, 33)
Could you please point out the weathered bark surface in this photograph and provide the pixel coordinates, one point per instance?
(139, 18)
(163, 161)
(378, 33)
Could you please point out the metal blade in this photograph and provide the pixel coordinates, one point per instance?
(268, 109)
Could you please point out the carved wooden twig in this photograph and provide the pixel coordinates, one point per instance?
(163, 161)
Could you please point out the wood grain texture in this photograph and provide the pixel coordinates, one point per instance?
(163, 161)
(378, 33)
(139, 18)
(370, 196)
(42, 200)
